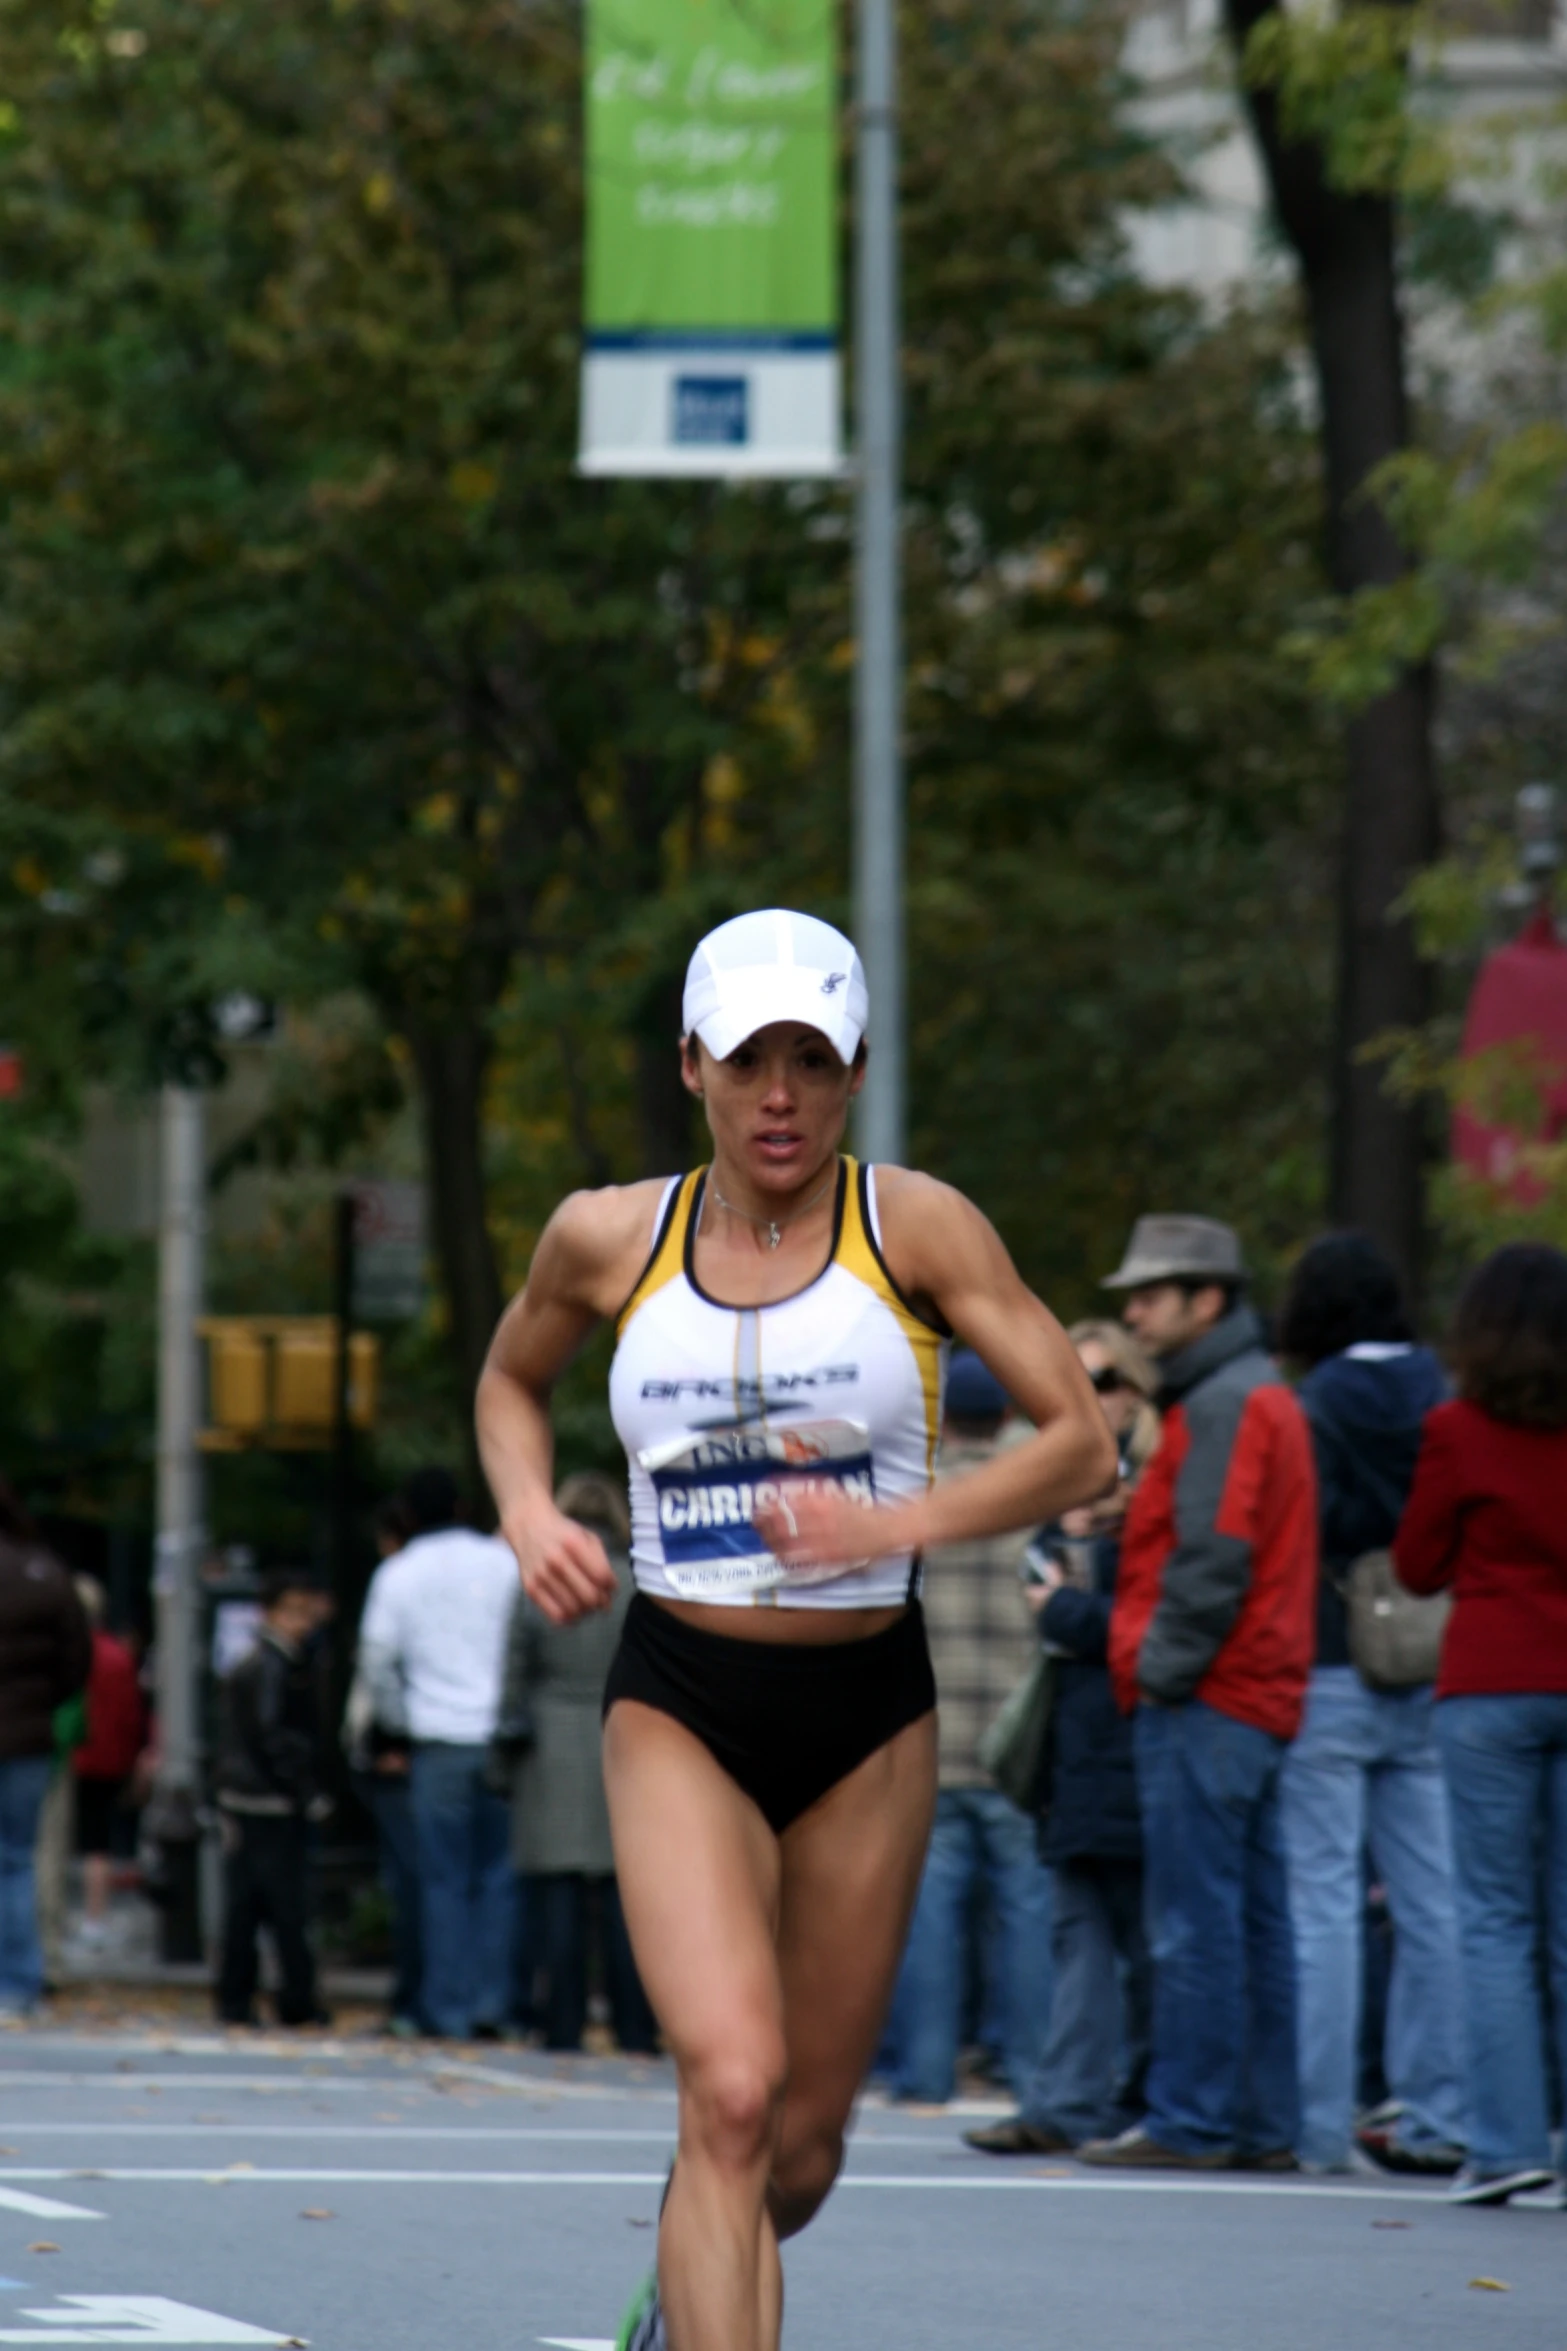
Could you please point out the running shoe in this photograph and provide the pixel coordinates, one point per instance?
(642, 2328)
(1474, 2186)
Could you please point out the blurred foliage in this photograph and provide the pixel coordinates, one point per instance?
(323, 677)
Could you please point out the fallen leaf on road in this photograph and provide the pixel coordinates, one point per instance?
(1491, 2285)
(638, 2224)
(10, 2150)
(1392, 2224)
(317, 2212)
(43, 2246)
(239, 2167)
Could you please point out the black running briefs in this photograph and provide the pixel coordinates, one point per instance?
(786, 1720)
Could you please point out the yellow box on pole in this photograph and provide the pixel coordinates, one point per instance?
(238, 1380)
(272, 1380)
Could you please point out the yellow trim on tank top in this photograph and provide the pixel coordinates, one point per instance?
(857, 1255)
(670, 1257)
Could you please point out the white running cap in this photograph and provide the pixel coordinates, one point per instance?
(775, 965)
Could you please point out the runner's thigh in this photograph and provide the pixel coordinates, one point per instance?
(698, 1872)
(851, 1870)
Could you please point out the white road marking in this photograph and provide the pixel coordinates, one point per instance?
(579, 2342)
(45, 2207)
(357, 2131)
(135, 2318)
(547, 2089)
(498, 2134)
(942, 2183)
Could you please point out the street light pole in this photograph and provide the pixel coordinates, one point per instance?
(878, 696)
(182, 1219)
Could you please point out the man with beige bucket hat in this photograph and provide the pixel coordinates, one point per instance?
(1211, 1642)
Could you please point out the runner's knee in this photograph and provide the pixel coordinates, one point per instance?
(806, 2166)
(732, 2102)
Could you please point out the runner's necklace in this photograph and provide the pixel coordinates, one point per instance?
(776, 1225)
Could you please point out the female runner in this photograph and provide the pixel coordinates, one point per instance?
(769, 1744)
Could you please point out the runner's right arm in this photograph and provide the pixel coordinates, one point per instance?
(586, 1265)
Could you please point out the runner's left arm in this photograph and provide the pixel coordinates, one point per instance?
(949, 1260)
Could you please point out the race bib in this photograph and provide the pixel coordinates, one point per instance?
(708, 1490)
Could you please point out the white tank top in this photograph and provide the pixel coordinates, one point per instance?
(719, 1407)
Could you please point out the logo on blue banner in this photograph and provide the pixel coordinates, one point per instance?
(712, 411)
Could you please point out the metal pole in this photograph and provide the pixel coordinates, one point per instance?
(878, 700)
(181, 1247)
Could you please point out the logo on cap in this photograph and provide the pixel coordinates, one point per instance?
(833, 982)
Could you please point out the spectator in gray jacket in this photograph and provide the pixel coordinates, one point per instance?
(550, 1722)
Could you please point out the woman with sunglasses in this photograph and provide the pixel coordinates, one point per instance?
(782, 1320)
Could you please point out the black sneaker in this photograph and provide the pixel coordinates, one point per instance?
(1474, 2186)
(1016, 2136)
(1381, 2142)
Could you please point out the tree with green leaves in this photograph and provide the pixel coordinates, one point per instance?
(322, 675)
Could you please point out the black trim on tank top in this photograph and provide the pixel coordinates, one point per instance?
(942, 1329)
(760, 1306)
(660, 1236)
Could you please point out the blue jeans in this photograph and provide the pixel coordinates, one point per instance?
(1090, 2081)
(980, 1838)
(23, 1779)
(1506, 1764)
(1365, 1771)
(388, 1797)
(469, 1892)
(1222, 2076)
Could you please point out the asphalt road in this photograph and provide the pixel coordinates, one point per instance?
(192, 2188)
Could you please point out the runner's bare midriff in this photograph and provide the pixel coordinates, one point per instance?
(806, 1627)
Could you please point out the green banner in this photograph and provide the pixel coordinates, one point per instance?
(711, 129)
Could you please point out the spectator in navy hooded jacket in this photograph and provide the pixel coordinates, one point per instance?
(1364, 1776)
(1089, 2081)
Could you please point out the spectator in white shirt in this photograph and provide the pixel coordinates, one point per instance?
(432, 1650)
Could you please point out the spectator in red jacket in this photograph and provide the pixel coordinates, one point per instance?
(1487, 1518)
(104, 1767)
(1211, 1642)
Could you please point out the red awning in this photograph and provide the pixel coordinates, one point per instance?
(1520, 999)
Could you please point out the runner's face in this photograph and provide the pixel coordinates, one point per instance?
(778, 1106)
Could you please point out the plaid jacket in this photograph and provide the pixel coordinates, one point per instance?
(983, 1636)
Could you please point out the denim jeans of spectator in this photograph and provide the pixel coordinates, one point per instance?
(1222, 2071)
(1365, 1773)
(980, 1840)
(23, 1779)
(388, 1798)
(1506, 1763)
(1090, 2082)
(463, 1833)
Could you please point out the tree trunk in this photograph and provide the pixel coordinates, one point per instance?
(1347, 251)
(664, 1107)
(452, 1057)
